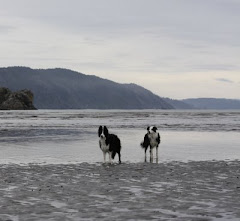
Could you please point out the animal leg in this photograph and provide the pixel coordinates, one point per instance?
(119, 157)
(157, 152)
(104, 157)
(145, 154)
(110, 157)
(151, 153)
(151, 160)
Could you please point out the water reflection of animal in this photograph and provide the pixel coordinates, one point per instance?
(109, 143)
(151, 139)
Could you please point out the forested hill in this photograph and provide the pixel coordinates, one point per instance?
(66, 89)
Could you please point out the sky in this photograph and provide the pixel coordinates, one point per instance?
(175, 48)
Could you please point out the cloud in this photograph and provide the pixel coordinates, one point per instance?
(224, 80)
(128, 40)
(5, 28)
(214, 67)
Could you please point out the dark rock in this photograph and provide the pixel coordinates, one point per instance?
(20, 100)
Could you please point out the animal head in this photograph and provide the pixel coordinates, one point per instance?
(102, 132)
(152, 129)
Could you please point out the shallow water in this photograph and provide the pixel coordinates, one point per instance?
(70, 136)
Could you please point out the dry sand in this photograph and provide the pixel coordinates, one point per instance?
(167, 191)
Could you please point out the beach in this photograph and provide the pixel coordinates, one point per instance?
(200, 190)
(51, 166)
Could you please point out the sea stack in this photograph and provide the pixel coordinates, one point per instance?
(20, 100)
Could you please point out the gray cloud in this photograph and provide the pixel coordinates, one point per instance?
(125, 37)
(214, 67)
(6, 29)
(224, 80)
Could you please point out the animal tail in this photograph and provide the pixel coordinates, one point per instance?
(145, 143)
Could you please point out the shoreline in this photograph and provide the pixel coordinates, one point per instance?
(196, 190)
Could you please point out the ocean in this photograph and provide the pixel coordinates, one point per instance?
(70, 136)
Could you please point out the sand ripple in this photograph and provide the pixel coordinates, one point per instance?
(168, 191)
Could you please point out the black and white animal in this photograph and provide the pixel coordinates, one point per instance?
(151, 139)
(109, 143)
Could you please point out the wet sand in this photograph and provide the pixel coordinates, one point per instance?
(204, 190)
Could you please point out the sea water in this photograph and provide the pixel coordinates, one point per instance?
(70, 136)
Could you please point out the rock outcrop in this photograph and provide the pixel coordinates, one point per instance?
(20, 100)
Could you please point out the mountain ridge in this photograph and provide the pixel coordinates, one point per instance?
(60, 88)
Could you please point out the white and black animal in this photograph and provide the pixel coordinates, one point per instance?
(152, 139)
(109, 143)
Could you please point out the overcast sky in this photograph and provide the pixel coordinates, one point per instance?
(175, 48)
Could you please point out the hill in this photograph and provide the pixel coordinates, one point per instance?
(213, 103)
(65, 89)
(178, 104)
